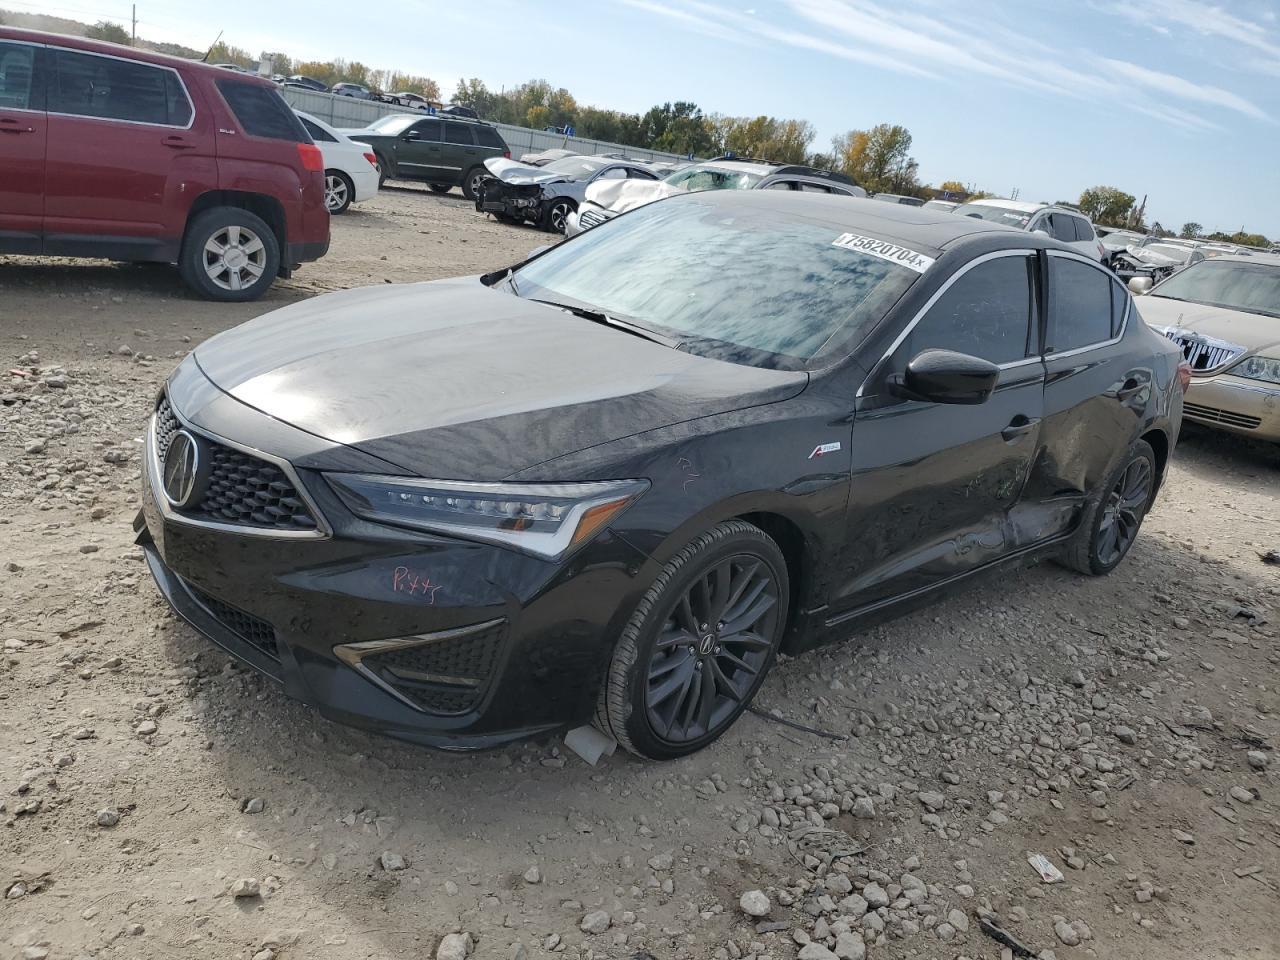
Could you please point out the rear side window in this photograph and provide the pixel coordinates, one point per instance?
(17, 66)
(457, 133)
(488, 137)
(317, 134)
(262, 112)
(1084, 229)
(813, 188)
(986, 313)
(1061, 227)
(1119, 304)
(86, 85)
(1080, 305)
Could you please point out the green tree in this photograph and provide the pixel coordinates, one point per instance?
(222, 52)
(281, 63)
(1108, 206)
(879, 159)
(952, 186)
(1191, 230)
(474, 94)
(678, 127)
(108, 31)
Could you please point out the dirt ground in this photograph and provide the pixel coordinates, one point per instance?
(1122, 727)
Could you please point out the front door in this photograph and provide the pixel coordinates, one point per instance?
(933, 485)
(419, 153)
(23, 128)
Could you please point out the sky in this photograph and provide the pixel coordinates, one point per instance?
(1178, 100)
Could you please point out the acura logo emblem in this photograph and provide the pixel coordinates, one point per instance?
(181, 467)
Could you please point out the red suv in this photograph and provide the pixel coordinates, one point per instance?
(107, 151)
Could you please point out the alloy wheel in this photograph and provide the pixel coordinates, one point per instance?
(714, 642)
(234, 257)
(1123, 511)
(559, 216)
(335, 192)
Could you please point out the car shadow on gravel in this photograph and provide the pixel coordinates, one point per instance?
(1209, 453)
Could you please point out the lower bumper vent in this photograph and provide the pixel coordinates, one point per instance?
(256, 632)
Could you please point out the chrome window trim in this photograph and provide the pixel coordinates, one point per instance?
(937, 295)
(1124, 324)
(137, 123)
(322, 532)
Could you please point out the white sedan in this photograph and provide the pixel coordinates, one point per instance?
(350, 167)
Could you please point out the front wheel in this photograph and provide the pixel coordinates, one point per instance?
(229, 253)
(1112, 518)
(699, 644)
(339, 191)
(556, 219)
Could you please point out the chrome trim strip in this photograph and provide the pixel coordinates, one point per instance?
(145, 63)
(937, 295)
(322, 532)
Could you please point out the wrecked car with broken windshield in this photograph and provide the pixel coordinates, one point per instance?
(546, 195)
(611, 483)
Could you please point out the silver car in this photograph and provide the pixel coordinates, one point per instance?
(547, 195)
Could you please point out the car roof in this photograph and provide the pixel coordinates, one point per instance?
(926, 231)
(121, 51)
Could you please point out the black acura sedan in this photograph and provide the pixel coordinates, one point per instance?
(610, 483)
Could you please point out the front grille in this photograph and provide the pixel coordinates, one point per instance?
(1214, 415)
(256, 632)
(1205, 354)
(442, 676)
(590, 218)
(243, 490)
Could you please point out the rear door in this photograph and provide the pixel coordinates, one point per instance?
(1097, 388)
(125, 145)
(936, 488)
(460, 150)
(23, 129)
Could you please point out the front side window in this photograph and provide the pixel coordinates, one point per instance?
(1080, 308)
(752, 285)
(457, 133)
(613, 173)
(261, 111)
(986, 313)
(86, 85)
(427, 130)
(17, 67)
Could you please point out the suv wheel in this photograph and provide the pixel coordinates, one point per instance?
(699, 644)
(229, 254)
(557, 216)
(1111, 519)
(383, 170)
(471, 182)
(339, 191)
(440, 187)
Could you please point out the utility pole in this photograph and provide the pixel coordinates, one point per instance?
(135, 24)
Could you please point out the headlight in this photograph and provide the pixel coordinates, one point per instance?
(1258, 368)
(545, 519)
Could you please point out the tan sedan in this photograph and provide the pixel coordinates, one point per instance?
(1225, 314)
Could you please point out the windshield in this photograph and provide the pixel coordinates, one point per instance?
(575, 168)
(755, 286)
(1250, 287)
(694, 179)
(1119, 239)
(995, 214)
(394, 124)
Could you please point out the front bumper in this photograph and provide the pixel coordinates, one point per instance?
(1247, 407)
(489, 645)
(517, 202)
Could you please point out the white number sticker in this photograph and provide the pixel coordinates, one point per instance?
(885, 251)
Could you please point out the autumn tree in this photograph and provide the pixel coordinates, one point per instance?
(222, 52)
(1191, 230)
(108, 31)
(1108, 206)
(879, 159)
(474, 94)
(952, 186)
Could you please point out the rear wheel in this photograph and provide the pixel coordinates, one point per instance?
(229, 253)
(699, 644)
(339, 191)
(471, 182)
(383, 170)
(440, 187)
(1111, 519)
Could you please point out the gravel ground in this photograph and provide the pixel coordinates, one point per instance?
(159, 801)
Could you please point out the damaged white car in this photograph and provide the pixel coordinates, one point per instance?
(605, 200)
(519, 192)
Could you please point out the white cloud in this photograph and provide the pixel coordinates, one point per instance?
(1206, 19)
(1170, 85)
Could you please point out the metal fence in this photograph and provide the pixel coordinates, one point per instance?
(350, 112)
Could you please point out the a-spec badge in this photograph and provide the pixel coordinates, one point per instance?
(823, 449)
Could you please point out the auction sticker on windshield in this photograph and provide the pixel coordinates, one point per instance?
(885, 251)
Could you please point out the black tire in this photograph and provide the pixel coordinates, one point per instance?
(439, 187)
(655, 651)
(471, 182)
(553, 217)
(1113, 516)
(339, 191)
(246, 276)
(384, 171)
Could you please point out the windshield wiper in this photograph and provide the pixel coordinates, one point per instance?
(608, 320)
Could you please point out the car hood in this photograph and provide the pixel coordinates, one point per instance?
(455, 380)
(1152, 257)
(519, 174)
(619, 196)
(1253, 331)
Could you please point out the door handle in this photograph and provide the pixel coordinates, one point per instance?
(9, 125)
(177, 143)
(1020, 426)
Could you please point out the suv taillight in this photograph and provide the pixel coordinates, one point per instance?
(309, 154)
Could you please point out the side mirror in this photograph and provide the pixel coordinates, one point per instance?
(944, 376)
(1041, 228)
(1140, 285)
